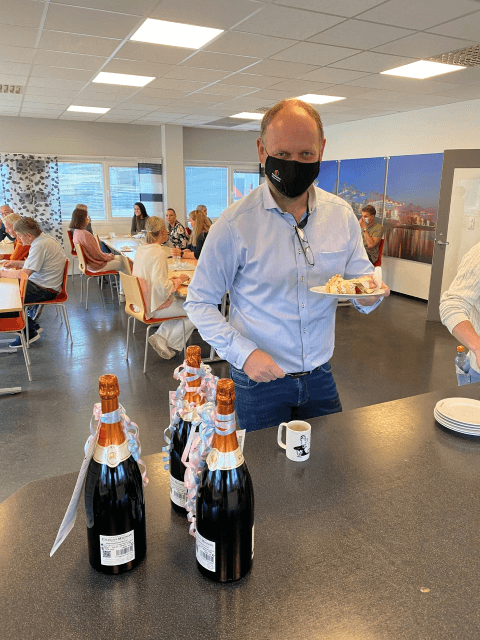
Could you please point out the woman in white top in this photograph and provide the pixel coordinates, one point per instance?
(151, 267)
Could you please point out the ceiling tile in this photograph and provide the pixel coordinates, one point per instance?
(89, 21)
(56, 83)
(372, 62)
(281, 70)
(320, 54)
(192, 105)
(359, 34)
(12, 36)
(227, 89)
(423, 45)
(251, 43)
(218, 14)
(72, 43)
(285, 22)
(12, 68)
(345, 90)
(250, 80)
(205, 97)
(271, 94)
(172, 83)
(138, 106)
(16, 54)
(166, 94)
(112, 89)
(462, 93)
(347, 8)
(49, 91)
(10, 98)
(200, 75)
(69, 60)
(152, 69)
(138, 8)
(328, 74)
(412, 14)
(22, 13)
(92, 101)
(220, 61)
(409, 85)
(55, 99)
(247, 103)
(145, 52)
(464, 76)
(41, 71)
(468, 27)
(299, 87)
(8, 79)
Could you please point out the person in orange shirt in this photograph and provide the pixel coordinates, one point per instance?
(20, 251)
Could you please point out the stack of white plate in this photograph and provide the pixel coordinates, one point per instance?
(459, 414)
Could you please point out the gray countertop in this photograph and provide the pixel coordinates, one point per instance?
(375, 537)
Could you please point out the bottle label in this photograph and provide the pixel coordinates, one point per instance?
(224, 461)
(112, 455)
(253, 540)
(115, 550)
(177, 492)
(205, 552)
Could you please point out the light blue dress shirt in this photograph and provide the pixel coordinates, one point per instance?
(253, 253)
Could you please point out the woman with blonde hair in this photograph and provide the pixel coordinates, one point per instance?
(151, 267)
(198, 222)
(20, 251)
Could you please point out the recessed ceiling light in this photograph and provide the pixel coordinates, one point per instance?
(248, 116)
(313, 98)
(74, 107)
(123, 79)
(422, 69)
(174, 34)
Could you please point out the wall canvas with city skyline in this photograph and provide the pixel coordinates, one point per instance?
(411, 205)
(361, 182)
(327, 176)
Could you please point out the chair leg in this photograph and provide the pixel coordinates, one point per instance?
(111, 288)
(128, 335)
(67, 321)
(86, 297)
(25, 354)
(134, 325)
(146, 349)
(27, 330)
(81, 287)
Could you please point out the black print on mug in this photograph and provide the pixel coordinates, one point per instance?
(302, 447)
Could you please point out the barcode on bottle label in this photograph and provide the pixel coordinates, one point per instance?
(177, 492)
(205, 552)
(116, 550)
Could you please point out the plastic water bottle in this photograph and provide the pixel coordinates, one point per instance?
(462, 366)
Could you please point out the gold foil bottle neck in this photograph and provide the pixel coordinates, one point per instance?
(225, 396)
(108, 386)
(194, 356)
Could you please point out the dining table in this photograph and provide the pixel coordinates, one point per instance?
(374, 537)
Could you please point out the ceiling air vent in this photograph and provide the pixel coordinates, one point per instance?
(10, 88)
(469, 57)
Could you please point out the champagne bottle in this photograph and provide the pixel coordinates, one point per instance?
(182, 431)
(114, 500)
(225, 509)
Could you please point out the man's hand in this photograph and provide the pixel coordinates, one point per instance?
(260, 367)
(183, 277)
(176, 252)
(362, 223)
(367, 302)
(13, 264)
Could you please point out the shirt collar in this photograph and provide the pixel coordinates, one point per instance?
(269, 202)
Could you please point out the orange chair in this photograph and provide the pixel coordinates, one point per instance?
(17, 325)
(378, 263)
(82, 265)
(72, 248)
(58, 302)
(136, 309)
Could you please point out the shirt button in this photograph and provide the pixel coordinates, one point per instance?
(303, 278)
(303, 305)
(304, 331)
(299, 251)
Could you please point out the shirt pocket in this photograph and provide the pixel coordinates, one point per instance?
(329, 263)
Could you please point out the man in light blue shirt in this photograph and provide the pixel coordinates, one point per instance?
(267, 250)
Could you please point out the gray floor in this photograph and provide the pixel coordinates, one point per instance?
(392, 353)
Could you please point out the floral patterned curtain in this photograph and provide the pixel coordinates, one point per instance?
(31, 187)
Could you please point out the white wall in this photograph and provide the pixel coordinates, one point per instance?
(432, 130)
(219, 145)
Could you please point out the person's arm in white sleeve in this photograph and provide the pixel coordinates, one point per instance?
(213, 277)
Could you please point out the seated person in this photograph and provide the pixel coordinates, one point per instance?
(4, 211)
(203, 207)
(20, 251)
(140, 216)
(151, 267)
(372, 232)
(89, 223)
(198, 221)
(176, 230)
(96, 260)
(44, 267)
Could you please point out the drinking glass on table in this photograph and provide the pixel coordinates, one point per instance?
(177, 254)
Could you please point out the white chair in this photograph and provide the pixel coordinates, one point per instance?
(85, 271)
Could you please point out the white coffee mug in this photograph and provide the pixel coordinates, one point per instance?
(298, 440)
(112, 234)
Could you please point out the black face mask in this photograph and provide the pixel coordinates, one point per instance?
(290, 177)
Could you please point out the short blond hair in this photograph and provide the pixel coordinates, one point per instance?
(12, 218)
(154, 226)
(290, 102)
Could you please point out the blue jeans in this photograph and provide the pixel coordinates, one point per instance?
(34, 293)
(267, 404)
(472, 376)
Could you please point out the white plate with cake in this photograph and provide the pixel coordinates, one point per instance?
(362, 287)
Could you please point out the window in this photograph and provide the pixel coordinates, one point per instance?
(217, 187)
(208, 186)
(124, 191)
(81, 184)
(109, 188)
